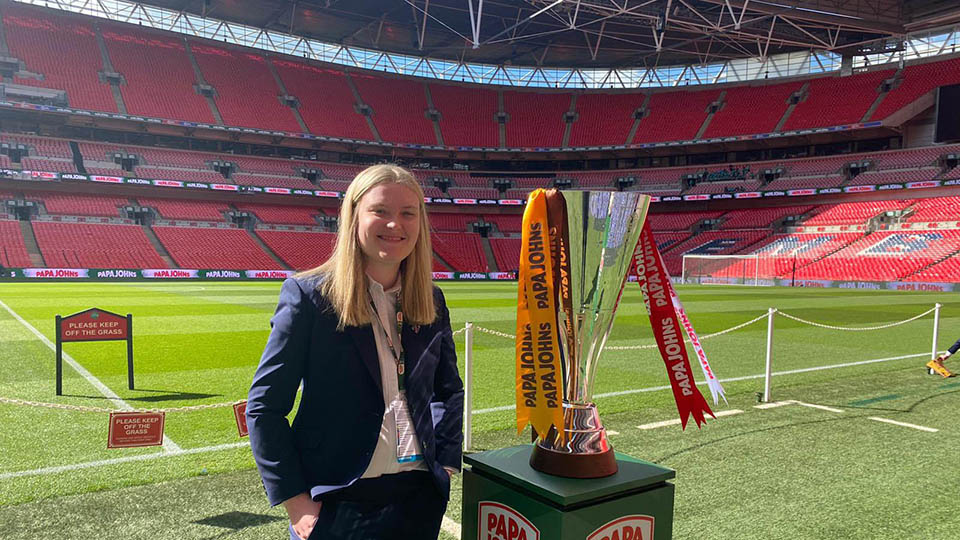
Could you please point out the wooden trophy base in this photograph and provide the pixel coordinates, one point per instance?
(570, 465)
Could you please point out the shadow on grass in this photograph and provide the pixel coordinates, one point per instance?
(234, 521)
(163, 395)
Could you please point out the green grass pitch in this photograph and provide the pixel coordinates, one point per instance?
(790, 472)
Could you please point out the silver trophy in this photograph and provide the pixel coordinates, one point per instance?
(593, 235)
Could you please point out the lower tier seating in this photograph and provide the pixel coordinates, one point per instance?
(88, 245)
(223, 249)
(299, 250)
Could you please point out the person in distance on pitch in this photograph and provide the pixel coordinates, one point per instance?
(379, 429)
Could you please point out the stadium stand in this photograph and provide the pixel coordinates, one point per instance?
(186, 209)
(674, 116)
(506, 253)
(884, 256)
(937, 209)
(81, 205)
(462, 251)
(299, 250)
(139, 56)
(467, 115)
(945, 271)
(13, 252)
(288, 215)
(446, 221)
(850, 213)
(210, 248)
(604, 119)
(667, 239)
(765, 103)
(326, 101)
(94, 245)
(676, 221)
(397, 120)
(60, 49)
(246, 93)
(917, 80)
(834, 101)
(760, 217)
(506, 223)
(711, 243)
(535, 119)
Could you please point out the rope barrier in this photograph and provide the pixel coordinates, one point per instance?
(83, 408)
(635, 347)
(856, 329)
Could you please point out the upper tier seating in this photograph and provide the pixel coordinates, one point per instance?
(299, 250)
(13, 252)
(765, 103)
(397, 120)
(669, 239)
(246, 93)
(140, 55)
(675, 116)
(40, 146)
(604, 119)
(326, 101)
(917, 80)
(467, 115)
(223, 249)
(535, 119)
(186, 209)
(462, 251)
(88, 245)
(62, 50)
(834, 101)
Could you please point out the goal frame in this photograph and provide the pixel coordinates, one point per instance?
(689, 263)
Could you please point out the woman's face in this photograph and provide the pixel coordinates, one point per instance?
(388, 224)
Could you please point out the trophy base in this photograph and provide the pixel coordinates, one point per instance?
(570, 465)
(586, 452)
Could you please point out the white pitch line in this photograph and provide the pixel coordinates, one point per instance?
(821, 407)
(450, 526)
(126, 459)
(774, 404)
(168, 443)
(731, 379)
(903, 424)
(675, 421)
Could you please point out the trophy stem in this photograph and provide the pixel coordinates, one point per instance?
(587, 452)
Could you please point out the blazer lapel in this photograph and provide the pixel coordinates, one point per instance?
(363, 338)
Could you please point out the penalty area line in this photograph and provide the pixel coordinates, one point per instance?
(168, 443)
(730, 379)
(903, 424)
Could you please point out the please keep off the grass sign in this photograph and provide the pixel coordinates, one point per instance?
(94, 325)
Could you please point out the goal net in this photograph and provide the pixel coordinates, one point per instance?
(728, 269)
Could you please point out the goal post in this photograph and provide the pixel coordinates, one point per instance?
(728, 269)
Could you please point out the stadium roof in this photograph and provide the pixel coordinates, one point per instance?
(590, 33)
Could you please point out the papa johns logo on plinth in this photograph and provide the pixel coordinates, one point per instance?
(500, 522)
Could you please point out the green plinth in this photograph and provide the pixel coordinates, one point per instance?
(505, 499)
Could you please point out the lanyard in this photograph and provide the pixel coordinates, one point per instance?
(397, 357)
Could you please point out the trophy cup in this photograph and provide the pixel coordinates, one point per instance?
(592, 238)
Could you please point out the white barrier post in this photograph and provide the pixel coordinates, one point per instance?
(767, 371)
(468, 388)
(936, 330)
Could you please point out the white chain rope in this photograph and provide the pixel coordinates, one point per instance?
(83, 408)
(856, 329)
(637, 347)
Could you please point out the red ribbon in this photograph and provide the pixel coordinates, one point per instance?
(654, 283)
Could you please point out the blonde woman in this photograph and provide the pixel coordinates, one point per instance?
(378, 431)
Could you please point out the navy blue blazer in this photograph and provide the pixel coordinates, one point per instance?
(332, 437)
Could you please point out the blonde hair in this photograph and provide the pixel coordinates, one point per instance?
(344, 283)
